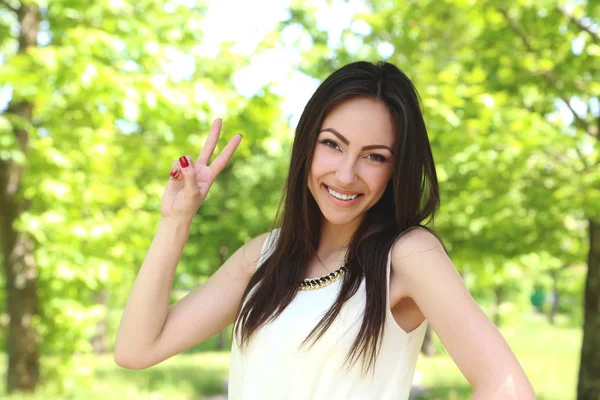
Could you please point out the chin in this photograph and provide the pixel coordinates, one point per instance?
(341, 220)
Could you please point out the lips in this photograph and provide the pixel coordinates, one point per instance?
(340, 202)
(340, 191)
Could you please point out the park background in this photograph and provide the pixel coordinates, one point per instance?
(98, 98)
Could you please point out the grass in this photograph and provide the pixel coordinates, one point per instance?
(549, 355)
(181, 378)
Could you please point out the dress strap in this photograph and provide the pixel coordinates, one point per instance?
(388, 274)
(268, 247)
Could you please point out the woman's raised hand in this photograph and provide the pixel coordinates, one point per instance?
(190, 182)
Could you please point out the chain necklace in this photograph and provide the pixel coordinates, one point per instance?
(322, 281)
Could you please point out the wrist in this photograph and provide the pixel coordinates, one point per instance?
(177, 224)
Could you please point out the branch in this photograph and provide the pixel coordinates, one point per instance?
(522, 34)
(579, 24)
(6, 5)
(518, 29)
(550, 76)
(587, 167)
(579, 122)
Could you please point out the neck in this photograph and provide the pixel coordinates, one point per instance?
(336, 237)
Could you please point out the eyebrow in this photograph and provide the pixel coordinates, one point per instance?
(347, 142)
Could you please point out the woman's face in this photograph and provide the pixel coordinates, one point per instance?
(352, 161)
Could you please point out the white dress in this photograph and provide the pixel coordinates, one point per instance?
(272, 367)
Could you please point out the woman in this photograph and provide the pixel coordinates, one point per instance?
(361, 181)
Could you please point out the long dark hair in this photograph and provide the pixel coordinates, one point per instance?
(411, 197)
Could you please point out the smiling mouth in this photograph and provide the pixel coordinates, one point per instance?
(341, 196)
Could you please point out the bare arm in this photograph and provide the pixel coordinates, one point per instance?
(474, 343)
(148, 303)
(150, 331)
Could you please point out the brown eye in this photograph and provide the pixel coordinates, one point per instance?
(330, 144)
(377, 158)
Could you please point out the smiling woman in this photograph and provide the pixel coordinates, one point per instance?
(350, 171)
(333, 303)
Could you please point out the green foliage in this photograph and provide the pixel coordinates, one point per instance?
(120, 91)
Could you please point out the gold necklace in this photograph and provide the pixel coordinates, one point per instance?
(322, 281)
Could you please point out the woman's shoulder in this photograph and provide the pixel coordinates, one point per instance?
(251, 252)
(414, 240)
(419, 260)
(260, 248)
(258, 243)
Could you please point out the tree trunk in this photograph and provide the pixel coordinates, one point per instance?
(555, 296)
(588, 387)
(21, 289)
(499, 297)
(17, 248)
(220, 345)
(100, 339)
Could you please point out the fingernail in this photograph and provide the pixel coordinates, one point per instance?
(173, 172)
(183, 161)
(241, 135)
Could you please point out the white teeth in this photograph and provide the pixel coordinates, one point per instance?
(342, 196)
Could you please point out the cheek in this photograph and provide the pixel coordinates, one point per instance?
(315, 170)
(323, 162)
(376, 177)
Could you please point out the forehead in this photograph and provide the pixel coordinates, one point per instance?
(362, 121)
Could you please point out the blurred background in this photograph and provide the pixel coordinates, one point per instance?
(98, 98)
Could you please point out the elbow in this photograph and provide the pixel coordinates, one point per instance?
(133, 355)
(128, 360)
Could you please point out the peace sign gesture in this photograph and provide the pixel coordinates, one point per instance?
(190, 182)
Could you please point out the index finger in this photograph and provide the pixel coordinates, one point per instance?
(211, 143)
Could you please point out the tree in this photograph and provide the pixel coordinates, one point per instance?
(103, 98)
(17, 247)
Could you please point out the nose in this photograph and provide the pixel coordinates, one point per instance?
(345, 174)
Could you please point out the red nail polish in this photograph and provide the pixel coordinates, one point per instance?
(183, 161)
(173, 172)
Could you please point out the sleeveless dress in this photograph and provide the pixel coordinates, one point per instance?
(273, 367)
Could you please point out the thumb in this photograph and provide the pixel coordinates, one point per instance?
(190, 186)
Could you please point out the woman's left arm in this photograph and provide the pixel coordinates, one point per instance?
(472, 340)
